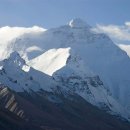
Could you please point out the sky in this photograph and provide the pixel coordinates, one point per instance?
(52, 13)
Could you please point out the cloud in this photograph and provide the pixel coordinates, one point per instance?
(119, 34)
(7, 34)
(33, 48)
(127, 24)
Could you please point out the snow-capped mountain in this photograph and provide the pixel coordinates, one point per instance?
(97, 51)
(78, 60)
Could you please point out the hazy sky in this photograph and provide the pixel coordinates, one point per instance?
(52, 13)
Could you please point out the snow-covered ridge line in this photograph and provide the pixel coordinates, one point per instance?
(55, 59)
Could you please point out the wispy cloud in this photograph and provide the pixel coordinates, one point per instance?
(127, 24)
(119, 34)
(116, 32)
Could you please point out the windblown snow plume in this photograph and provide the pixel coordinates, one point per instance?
(10, 34)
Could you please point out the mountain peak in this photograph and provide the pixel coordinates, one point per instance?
(15, 59)
(14, 55)
(78, 23)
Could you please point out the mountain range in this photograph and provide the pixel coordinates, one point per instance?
(68, 77)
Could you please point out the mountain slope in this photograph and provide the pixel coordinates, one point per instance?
(74, 114)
